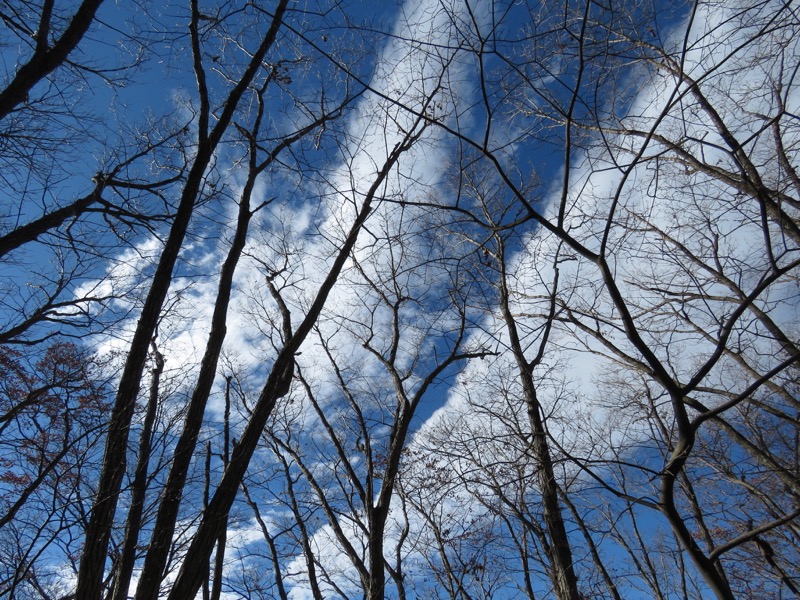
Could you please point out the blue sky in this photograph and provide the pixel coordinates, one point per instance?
(412, 58)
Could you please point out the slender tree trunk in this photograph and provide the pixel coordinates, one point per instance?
(273, 549)
(305, 538)
(127, 560)
(92, 566)
(562, 573)
(219, 557)
(278, 383)
(206, 592)
(587, 536)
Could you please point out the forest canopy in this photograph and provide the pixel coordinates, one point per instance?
(429, 299)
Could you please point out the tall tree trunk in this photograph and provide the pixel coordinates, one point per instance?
(167, 517)
(122, 579)
(278, 383)
(219, 557)
(562, 572)
(93, 560)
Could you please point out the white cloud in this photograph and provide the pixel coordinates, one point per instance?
(303, 237)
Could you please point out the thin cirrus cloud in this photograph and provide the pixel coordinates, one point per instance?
(665, 209)
(660, 210)
(408, 75)
(657, 213)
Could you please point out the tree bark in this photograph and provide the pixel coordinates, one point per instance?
(278, 383)
(122, 579)
(562, 574)
(93, 560)
(46, 59)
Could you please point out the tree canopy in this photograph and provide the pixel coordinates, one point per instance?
(430, 299)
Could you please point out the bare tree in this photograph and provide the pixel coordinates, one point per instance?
(506, 294)
(52, 419)
(657, 282)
